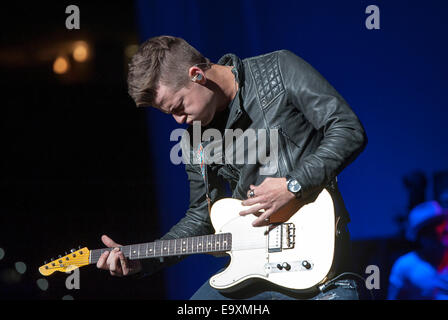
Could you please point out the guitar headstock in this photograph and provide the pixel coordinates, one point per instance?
(69, 262)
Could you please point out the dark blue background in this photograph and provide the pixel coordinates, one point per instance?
(393, 78)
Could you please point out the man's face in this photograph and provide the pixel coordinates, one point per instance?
(193, 102)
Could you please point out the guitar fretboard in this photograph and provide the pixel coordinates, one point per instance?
(174, 247)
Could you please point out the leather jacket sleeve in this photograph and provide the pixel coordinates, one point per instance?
(196, 221)
(343, 134)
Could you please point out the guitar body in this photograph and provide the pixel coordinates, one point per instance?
(297, 254)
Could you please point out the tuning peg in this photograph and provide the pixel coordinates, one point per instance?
(51, 259)
(45, 262)
(72, 250)
(59, 256)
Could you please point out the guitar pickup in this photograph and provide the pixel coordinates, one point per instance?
(281, 237)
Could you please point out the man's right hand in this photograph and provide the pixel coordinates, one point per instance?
(115, 261)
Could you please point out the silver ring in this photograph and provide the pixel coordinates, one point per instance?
(267, 220)
(251, 193)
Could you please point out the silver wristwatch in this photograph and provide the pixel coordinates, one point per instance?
(293, 186)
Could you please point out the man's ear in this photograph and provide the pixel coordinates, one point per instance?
(197, 75)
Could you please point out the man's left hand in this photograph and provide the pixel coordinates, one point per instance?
(271, 195)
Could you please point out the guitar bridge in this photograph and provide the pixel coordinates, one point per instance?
(281, 237)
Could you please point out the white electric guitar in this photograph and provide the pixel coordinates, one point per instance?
(294, 253)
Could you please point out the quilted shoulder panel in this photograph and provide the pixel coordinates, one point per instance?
(266, 74)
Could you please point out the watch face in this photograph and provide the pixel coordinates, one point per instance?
(294, 186)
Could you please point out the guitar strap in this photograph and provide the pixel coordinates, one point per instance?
(201, 158)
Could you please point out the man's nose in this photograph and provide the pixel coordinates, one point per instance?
(180, 119)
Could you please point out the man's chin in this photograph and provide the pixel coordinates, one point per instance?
(205, 123)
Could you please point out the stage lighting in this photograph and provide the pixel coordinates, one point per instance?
(80, 51)
(61, 65)
(42, 284)
(20, 267)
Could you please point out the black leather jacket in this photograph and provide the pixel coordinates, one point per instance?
(319, 135)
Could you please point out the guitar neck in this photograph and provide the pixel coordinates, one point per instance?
(173, 247)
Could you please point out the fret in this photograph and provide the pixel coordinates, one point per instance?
(173, 247)
(157, 248)
(126, 251)
(179, 246)
(141, 250)
(183, 246)
(133, 252)
(164, 247)
(203, 243)
(151, 248)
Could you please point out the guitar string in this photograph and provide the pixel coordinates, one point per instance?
(248, 242)
(198, 245)
(75, 261)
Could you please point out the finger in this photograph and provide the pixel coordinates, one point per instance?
(124, 263)
(261, 220)
(253, 210)
(254, 200)
(109, 242)
(252, 192)
(113, 261)
(101, 263)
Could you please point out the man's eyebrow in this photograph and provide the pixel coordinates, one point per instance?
(159, 105)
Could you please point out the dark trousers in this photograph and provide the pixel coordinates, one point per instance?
(345, 289)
